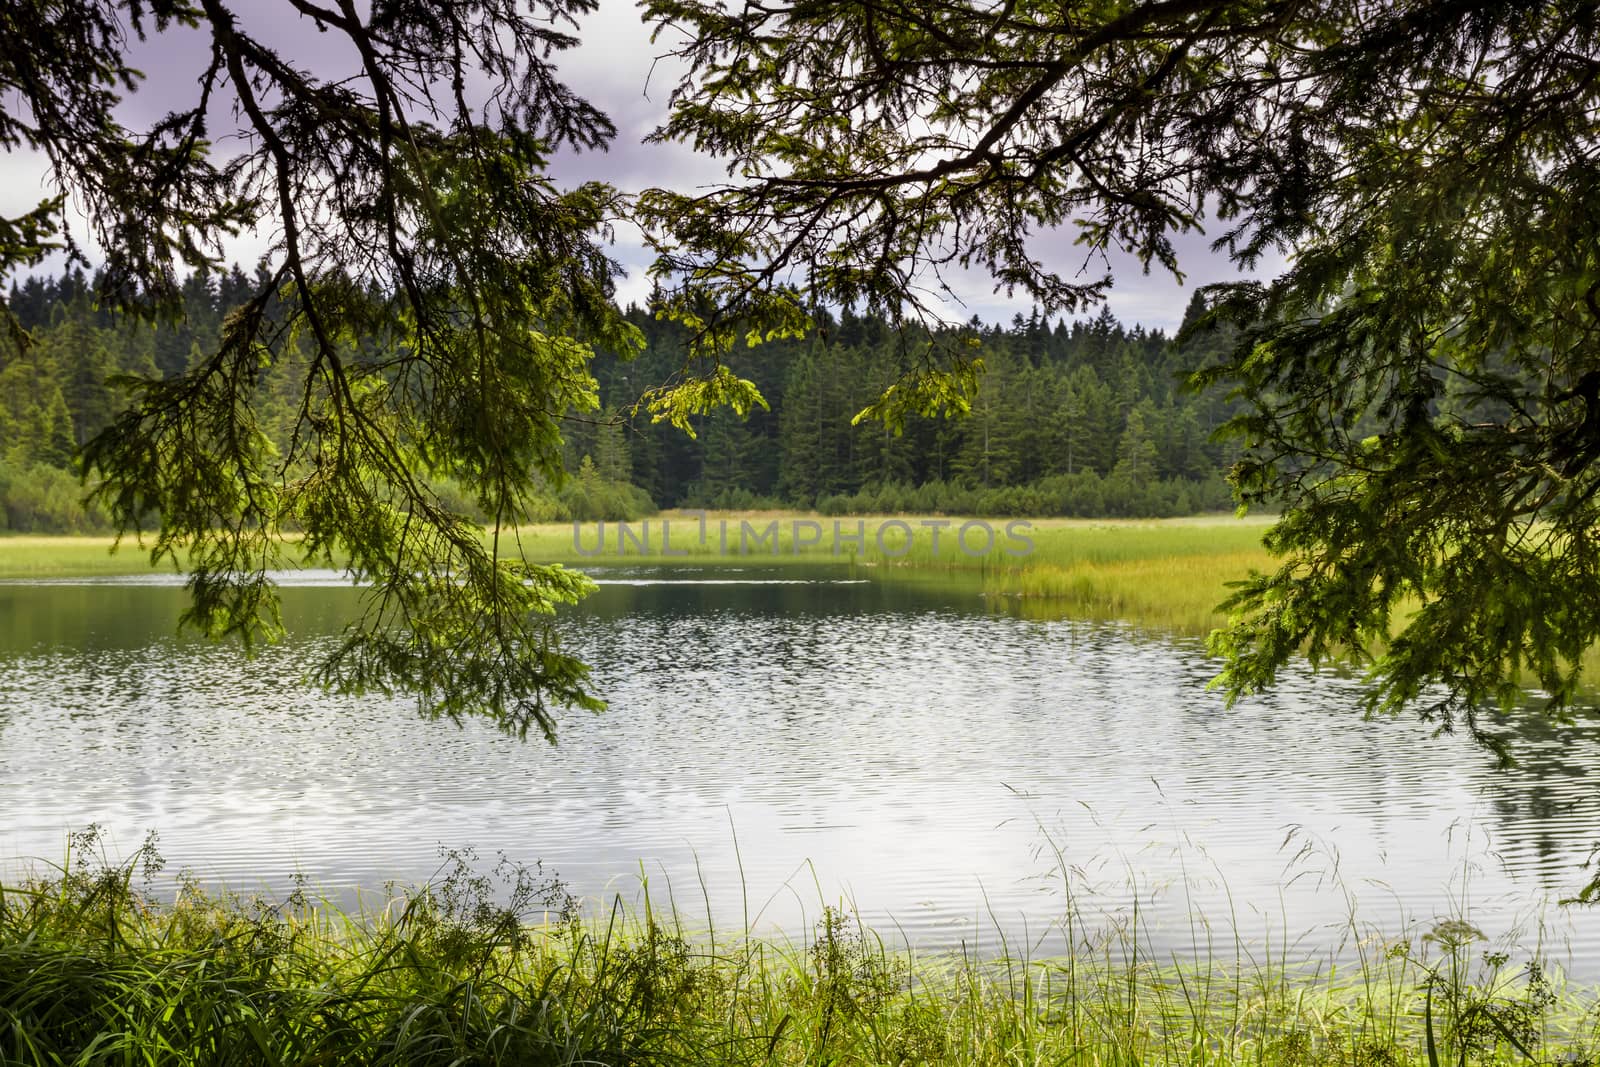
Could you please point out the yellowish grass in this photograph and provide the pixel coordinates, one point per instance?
(1166, 573)
(1178, 593)
(30, 556)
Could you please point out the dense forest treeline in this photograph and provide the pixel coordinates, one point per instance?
(1086, 418)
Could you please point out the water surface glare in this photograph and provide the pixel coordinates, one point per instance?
(783, 738)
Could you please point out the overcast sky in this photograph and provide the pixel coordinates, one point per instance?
(613, 68)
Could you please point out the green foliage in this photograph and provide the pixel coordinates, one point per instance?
(501, 967)
(1040, 409)
(423, 321)
(1421, 386)
(678, 404)
(1419, 393)
(592, 497)
(38, 498)
(1041, 412)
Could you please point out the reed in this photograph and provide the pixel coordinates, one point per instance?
(1161, 574)
(503, 967)
(61, 556)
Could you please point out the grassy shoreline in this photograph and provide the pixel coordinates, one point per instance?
(501, 967)
(1164, 573)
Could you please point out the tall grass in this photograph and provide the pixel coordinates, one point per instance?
(1167, 574)
(61, 556)
(1058, 541)
(1161, 574)
(503, 968)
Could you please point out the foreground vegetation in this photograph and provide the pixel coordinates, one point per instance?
(494, 968)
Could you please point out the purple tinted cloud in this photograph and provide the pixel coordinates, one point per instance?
(620, 69)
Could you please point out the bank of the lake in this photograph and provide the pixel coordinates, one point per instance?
(1164, 574)
(502, 968)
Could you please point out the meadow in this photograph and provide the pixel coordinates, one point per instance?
(1166, 574)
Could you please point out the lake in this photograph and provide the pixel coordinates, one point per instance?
(784, 738)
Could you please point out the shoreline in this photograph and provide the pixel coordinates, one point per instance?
(1162, 573)
(506, 967)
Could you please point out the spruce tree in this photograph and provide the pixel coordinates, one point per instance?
(1428, 169)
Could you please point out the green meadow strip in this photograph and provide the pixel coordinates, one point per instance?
(1163, 573)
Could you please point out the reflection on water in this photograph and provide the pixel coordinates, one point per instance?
(946, 771)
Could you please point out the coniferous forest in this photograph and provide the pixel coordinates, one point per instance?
(1088, 418)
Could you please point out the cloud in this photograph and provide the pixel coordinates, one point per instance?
(24, 181)
(620, 69)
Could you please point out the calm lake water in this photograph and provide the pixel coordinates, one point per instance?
(783, 739)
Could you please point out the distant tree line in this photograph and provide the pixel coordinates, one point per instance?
(1086, 419)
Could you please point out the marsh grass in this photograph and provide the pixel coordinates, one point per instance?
(1162, 575)
(1059, 541)
(1166, 575)
(504, 967)
(30, 556)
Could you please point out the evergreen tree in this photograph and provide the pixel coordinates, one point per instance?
(1032, 421)
(989, 453)
(58, 438)
(1431, 168)
(612, 460)
(1136, 449)
(800, 432)
(85, 366)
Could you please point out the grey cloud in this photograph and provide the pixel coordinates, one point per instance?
(613, 68)
(621, 70)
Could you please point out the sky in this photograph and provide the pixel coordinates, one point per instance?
(619, 68)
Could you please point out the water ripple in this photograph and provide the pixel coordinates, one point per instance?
(941, 769)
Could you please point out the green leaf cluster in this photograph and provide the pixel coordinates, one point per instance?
(1418, 390)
